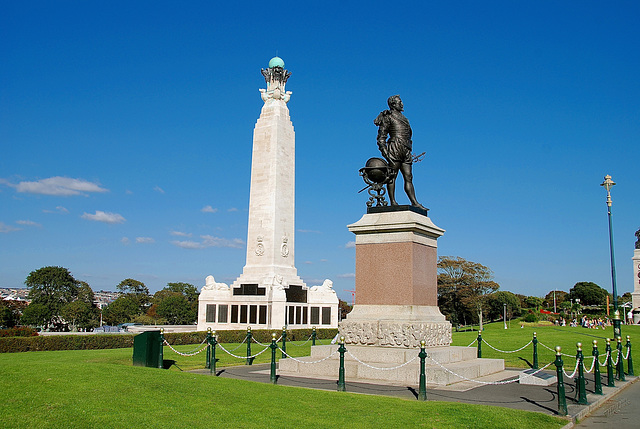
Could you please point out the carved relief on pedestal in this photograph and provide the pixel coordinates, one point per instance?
(391, 334)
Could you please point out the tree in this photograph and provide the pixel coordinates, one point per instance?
(463, 287)
(80, 314)
(533, 302)
(53, 287)
(10, 312)
(124, 309)
(496, 301)
(177, 310)
(172, 292)
(136, 291)
(588, 293)
(36, 314)
(560, 295)
(344, 308)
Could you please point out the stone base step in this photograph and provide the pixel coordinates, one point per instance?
(458, 360)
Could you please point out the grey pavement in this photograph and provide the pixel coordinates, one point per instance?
(619, 411)
(514, 395)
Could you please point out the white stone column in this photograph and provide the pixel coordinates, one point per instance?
(635, 295)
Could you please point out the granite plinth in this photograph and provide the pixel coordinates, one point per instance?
(406, 367)
(396, 326)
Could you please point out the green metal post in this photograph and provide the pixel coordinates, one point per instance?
(284, 342)
(249, 359)
(479, 344)
(617, 323)
(535, 351)
(629, 360)
(214, 342)
(274, 347)
(610, 381)
(562, 400)
(208, 340)
(341, 349)
(161, 354)
(620, 366)
(580, 383)
(596, 369)
(422, 392)
(313, 336)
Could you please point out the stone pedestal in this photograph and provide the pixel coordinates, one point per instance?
(396, 281)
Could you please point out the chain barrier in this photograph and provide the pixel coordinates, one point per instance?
(617, 358)
(186, 354)
(563, 354)
(264, 345)
(474, 340)
(243, 357)
(626, 357)
(240, 345)
(573, 374)
(593, 365)
(382, 369)
(299, 345)
(489, 382)
(504, 351)
(302, 361)
(605, 360)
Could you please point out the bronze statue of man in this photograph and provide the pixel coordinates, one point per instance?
(397, 149)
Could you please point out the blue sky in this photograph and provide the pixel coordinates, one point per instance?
(126, 132)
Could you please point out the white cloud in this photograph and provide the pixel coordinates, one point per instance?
(308, 262)
(309, 231)
(350, 245)
(59, 209)
(209, 241)
(181, 234)
(208, 209)
(187, 244)
(105, 217)
(27, 223)
(145, 240)
(159, 189)
(232, 209)
(7, 228)
(61, 186)
(347, 276)
(125, 241)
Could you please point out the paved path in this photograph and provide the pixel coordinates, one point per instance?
(514, 395)
(620, 411)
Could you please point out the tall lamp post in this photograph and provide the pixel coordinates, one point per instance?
(608, 184)
(505, 315)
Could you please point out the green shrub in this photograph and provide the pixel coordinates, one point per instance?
(530, 318)
(115, 341)
(19, 331)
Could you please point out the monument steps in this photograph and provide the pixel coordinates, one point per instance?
(459, 360)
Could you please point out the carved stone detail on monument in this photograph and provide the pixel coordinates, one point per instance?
(284, 250)
(394, 334)
(260, 246)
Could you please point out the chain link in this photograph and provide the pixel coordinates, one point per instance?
(302, 361)
(574, 371)
(504, 351)
(243, 357)
(186, 354)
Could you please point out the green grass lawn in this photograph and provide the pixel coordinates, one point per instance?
(101, 388)
(91, 388)
(551, 336)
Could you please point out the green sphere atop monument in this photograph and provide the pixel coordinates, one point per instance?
(276, 62)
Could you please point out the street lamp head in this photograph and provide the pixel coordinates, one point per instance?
(608, 183)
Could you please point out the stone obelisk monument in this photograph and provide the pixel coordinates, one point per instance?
(269, 293)
(635, 295)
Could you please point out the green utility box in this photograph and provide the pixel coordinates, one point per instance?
(147, 349)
